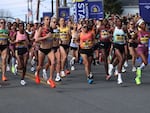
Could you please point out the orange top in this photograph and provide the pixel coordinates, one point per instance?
(86, 40)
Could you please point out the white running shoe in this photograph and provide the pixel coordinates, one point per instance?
(62, 74)
(8, 68)
(45, 74)
(72, 61)
(133, 69)
(58, 78)
(110, 69)
(22, 82)
(119, 80)
(123, 70)
(91, 75)
(125, 64)
(32, 69)
(72, 68)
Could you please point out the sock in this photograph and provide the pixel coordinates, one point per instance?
(142, 66)
(119, 75)
(57, 74)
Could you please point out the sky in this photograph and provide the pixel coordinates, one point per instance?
(18, 8)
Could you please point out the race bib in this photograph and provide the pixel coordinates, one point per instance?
(87, 44)
(63, 36)
(104, 34)
(119, 38)
(144, 40)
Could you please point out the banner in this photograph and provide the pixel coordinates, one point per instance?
(80, 10)
(78, 1)
(144, 7)
(92, 9)
(47, 14)
(64, 12)
(95, 9)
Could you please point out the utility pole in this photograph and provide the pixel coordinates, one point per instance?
(31, 9)
(28, 10)
(52, 7)
(38, 7)
(26, 18)
(57, 6)
(65, 3)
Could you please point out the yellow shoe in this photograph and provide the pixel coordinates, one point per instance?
(138, 80)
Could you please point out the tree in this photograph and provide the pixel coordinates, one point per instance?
(113, 7)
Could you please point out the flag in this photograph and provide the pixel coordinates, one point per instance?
(29, 12)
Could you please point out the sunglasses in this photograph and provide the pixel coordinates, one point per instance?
(1, 22)
(84, 26)
(47, 19)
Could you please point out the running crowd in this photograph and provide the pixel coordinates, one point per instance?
(88, 41)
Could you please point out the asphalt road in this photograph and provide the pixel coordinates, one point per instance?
(75, 95)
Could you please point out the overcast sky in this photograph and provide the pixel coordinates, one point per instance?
(18, 8)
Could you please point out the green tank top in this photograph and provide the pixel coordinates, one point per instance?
(4, 34)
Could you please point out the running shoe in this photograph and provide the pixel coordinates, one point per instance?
(72, 61)
(8, 68)
(133, 69)
(72, 68)
(138, 76)
(125, 64)
(4, 78)
(108, 77)
(44, 74)
(138, 80)
(32, 68)
(67, 71)
(37, 79)
(62, 74)
(58, 78)
(51, 83)
(97, 63)
(91, 75)
(22, 82)
(119, 80)
(123, 69)
(90, 80)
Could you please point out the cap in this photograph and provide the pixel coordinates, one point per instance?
(139, 22)
(35, 21)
